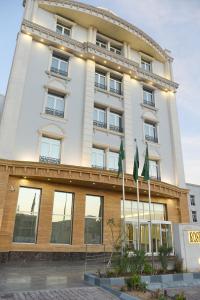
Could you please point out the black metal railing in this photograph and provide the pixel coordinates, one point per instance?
(100, 85)
(116, 128)
(59, 71)
(99, 124)
(54, 112)
(49, 160)
(116, 91)
(150, 138)
(150, 103)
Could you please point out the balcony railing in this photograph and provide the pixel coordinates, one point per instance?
(150, 138)
(116, 128)
(99, 124)
(100, 85)
(150, 103)
(54, 112)
(98, 167)
(59, 71)
(155, 177)
(49, 160)
(116, 91)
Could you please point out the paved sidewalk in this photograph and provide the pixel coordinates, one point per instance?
(191, 293)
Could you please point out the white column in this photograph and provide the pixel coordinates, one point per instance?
(128, 124)
(29, 9)
(88, 113)
(92, 34)
(14, 95)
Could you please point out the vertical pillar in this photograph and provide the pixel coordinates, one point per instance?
(128, 124)
(88, 113)
(79, 219)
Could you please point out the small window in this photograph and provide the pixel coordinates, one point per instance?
(151, 132)
(194, 216)
(115, 122)
(146, 65)
(59, 64)
(192, 200)
(115, 49)
(62, 218)
(101, 43)
(26, 220)
(148, 97)
(154, 169)
(98, 158)
(99, 117)
(115, 85)
(50, 150)
(64, 30)
(100, 80)
(55, 105)
(93, 220)
(113, 158)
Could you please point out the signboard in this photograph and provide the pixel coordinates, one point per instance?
(194, 237)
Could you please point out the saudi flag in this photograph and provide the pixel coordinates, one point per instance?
(145, 171)
(121, 158)
(136, 165)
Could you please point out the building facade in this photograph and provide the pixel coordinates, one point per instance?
(194, 202)
(82, 80)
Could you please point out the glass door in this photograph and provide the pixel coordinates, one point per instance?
(156, 237)
(131, 234)
(144, 237)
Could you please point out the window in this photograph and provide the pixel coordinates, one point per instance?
(62, 218)
(148, 97)
(154, 169)
(50, 150)
(59, 64)
(150, 130)
(26, 220)
(146, 65)
(99, 117)
(192, 200)
(64, 30)
(55, 105)
(101, 43)
(115, 122)
(113, 158)
(100, 80)
(115, 85)
(194, 216)
(93, 220)
(115, 49)
(98, 158)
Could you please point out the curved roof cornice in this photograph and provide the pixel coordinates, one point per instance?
(110, 17)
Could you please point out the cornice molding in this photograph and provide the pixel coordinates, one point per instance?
(88, 50)
(87, 177)
(108, 16)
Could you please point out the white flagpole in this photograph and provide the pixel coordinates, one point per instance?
(123, 199)
(150, 220)
(138, 211)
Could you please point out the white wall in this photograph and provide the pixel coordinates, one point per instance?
(194, 190)
(2, 98)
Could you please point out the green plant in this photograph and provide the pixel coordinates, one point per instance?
(135, 283)
(178, 265)
(180, 296)
(148, 270)
(164, 253)
(159, 295)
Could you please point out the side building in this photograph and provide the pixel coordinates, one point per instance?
(194, 202)
(82, 80)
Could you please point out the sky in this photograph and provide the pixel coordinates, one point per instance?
(174, 24)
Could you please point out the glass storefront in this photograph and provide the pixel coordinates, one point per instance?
(161, 229)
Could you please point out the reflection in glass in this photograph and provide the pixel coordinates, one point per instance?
(93, 219)
(26, 215)
(166, 234)
(156, 238)
(144, 237)
(62, 218)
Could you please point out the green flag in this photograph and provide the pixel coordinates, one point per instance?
(145, 171)
(136, 165)
(121, 158)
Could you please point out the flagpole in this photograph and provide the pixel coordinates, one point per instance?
(138, 211)
(123, 200)
(150, 221)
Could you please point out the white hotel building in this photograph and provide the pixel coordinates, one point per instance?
(82, 79)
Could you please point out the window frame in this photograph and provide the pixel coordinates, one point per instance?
(100, 74)
(53, 111)
(116, 127)
(194, 216)
(64, 27)
(146, 64)
(158, 176)
(148, 92)
(61, 58)
(116, 81)
(148, 137)
(96, 166)
(46, 159)
(192, 200)
(96, 121)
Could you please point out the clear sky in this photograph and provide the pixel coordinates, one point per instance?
(174, 24)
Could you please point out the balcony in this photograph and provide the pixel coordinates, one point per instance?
(99, 124)
(150, 138)
(98, 167)
(101, 86)
(59, 71)
(116, 91)
(116, 128)
(54, 112)
(155, 177)
(149, 103)
(49, 160)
